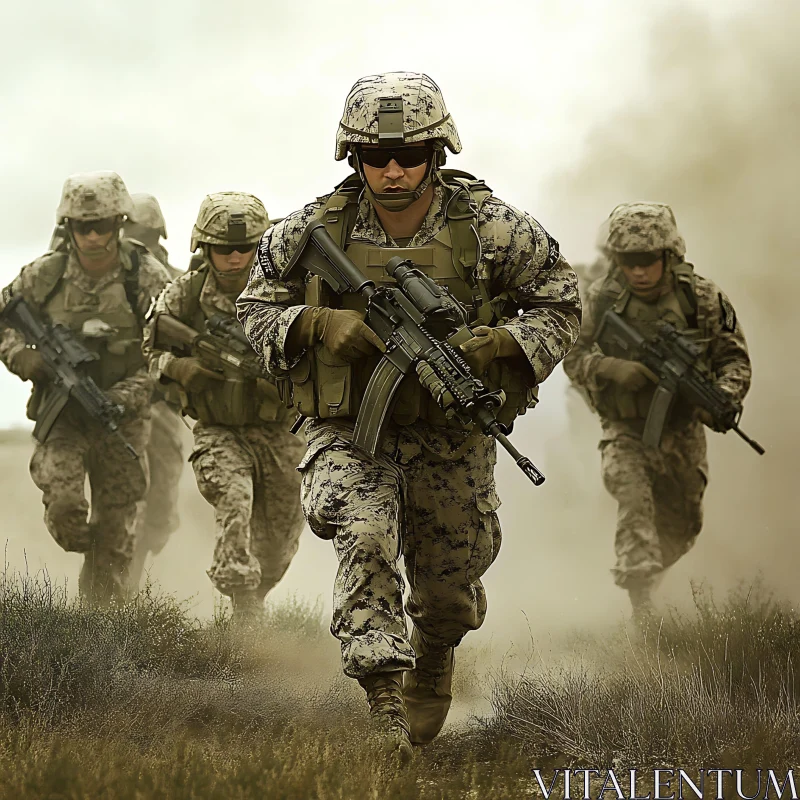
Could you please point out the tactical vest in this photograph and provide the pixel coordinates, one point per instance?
(235, 401)
(64, 302)
(324, 386)
(678, 307)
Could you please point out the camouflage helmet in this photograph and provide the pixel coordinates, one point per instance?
(395, 108)
(94, 195)
(644, 227)
(229, 218)
(147, 213)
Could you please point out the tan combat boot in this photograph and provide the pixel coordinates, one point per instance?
(428, 689)
(388, 712)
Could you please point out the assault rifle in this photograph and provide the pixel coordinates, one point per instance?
(674, 359)
(65, 356)
(222, 343)
(421, 324)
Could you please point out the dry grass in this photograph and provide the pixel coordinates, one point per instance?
(143, 701)
(717, 687)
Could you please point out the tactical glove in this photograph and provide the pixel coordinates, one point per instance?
(488, 344)
(343, 332)
(191, 374)
(630, 375)
(29, 365)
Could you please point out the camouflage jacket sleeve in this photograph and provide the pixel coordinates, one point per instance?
(11, 341)
(582, 361)
(175, 300)
(728, 356)
(521, 258)
(269, 305)
(135, 391)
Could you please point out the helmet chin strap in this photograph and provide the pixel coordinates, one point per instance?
(400, 201)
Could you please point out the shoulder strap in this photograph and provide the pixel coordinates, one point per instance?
(197, 278)
(341, 208)
(50, 275)
(132, 280)
(611, 294)
(466, 196)
(685, 289)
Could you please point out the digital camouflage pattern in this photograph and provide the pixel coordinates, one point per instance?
(659, 491)
(229, 218)
(517, 253)
(644, 227)
(660, 497)
(425, 115)
(431, 494)
(246, 472)
(248, 475)
(94, 195)
(77, 446)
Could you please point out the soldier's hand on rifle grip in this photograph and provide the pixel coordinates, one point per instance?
(486, 345)
(631, 375)
(342, 331)
(29, 365)
(191, 374)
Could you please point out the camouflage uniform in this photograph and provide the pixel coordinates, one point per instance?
(659, 491)
(430, 495)
(158, 513)
(244, 459)
(57, 286)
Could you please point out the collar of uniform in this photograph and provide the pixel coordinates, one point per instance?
(76, 274)
(211, 295)
(368, 226)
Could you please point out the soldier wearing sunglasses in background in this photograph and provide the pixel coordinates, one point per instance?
(430, 494)
(100, 287)
(244, 456)
(659, 490)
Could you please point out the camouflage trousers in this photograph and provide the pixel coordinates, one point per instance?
(660, 497)
(158, 512)
(428, 495)
(248, 475)
(75, 447)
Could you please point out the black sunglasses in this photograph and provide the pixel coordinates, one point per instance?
(99, 226)
(638, 259)
(227, 249)
(406, 157)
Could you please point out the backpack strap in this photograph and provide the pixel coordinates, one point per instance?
(341, 208)
(686, 291)
(467, 194)
(131, 280)
(50, 275)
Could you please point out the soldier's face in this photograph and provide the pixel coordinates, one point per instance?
(393, 177)
(93, 237)
(642, 277)
(232, 258)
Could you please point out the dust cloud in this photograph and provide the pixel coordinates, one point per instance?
(714, 132)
